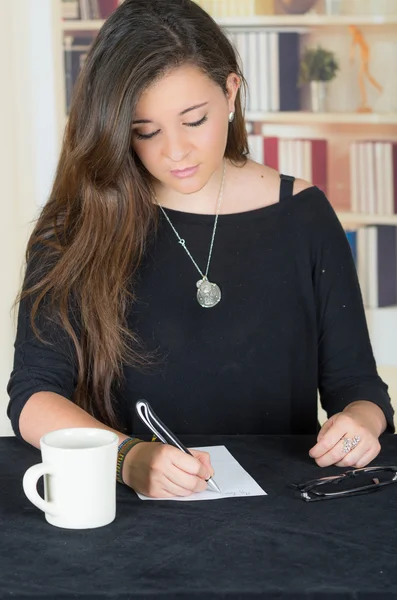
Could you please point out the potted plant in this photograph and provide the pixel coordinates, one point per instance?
(317, 67)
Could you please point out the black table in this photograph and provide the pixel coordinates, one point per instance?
(274, 546)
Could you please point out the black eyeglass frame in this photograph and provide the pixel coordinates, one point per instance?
(307, 487)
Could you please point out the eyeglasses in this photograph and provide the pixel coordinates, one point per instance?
(369, 479)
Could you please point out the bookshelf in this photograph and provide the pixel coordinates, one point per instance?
(81, 25)
(308, 20)
(329, 118)
(290, 21)
(350, 219)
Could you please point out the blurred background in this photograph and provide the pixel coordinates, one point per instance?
(322, 105)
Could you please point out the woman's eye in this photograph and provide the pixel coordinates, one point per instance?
(147, 136)
(198, 123)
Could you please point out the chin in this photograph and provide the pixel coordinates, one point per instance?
(188, 186)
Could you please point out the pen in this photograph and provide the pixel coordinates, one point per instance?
(161, 431)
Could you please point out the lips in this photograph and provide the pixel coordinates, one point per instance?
(188, 172)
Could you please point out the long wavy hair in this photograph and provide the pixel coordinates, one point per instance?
(89, 240)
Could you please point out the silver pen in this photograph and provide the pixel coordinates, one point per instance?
(161, 431)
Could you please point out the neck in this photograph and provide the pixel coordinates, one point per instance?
(204, 201)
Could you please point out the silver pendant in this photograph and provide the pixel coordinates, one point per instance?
(208, 294)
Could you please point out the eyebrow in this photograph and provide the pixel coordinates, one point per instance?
(139, 121)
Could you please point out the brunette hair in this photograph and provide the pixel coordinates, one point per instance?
(89, 240)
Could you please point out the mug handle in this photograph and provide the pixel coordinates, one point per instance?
(29, 483)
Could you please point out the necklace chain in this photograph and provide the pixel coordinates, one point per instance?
(183, 242)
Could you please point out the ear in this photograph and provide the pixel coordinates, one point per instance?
(232, 86)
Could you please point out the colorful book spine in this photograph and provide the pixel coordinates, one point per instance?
(373, 177)
(351, 235)
(236, 8)
(269, 61)
(386, 264)
(288, 71)
(376, 261)
(107, 7)
(88, 10)
(306, 159)
(70, 9)
(75, 53)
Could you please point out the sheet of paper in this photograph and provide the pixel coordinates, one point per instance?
(230, 476)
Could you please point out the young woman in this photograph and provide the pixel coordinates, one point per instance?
(168, 266)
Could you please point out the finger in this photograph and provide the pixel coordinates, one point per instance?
(165, 494)
(338, 456)
(360, 457)
(325, 428)
(181, 484)
(190, 464)
(367, 458)
(205, 459)
(351, 458)
(161, 493)
(179, 477)
(334, 434)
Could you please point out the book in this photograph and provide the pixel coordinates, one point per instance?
(107, 7)
(386, 265)
(288, 71)
(373, 177)
(255, 143)
(70, 9)
(88, 10)
(351, 235)
(237, 8)
(301, 158)
(377, 265)
(269, 61)
(75, 53)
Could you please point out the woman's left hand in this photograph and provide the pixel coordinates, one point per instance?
(353, 423)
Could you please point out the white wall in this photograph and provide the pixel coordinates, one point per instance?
(29, 108)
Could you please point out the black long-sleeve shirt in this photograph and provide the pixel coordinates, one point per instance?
(290, 321)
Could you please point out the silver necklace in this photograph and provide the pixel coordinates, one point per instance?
(208, 293)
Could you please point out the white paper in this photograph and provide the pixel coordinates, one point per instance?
(230, 476)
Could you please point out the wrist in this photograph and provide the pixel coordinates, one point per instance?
(369, 414)
(125, 448)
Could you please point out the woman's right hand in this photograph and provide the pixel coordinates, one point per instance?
(161, 471)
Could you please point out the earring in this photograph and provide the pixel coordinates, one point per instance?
(231, 117)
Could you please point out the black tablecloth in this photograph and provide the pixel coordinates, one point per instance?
(273, 546)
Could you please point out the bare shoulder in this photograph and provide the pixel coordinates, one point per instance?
(300, 185)
(255, 185)
(258, 185)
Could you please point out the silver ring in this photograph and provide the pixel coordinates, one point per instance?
(350, 443)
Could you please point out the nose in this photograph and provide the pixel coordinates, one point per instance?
(176, 147)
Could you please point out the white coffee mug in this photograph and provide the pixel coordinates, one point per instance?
(79, 470)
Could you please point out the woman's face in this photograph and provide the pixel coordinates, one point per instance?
(180, 128)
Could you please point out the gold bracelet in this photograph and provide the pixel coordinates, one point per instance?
(123, 450)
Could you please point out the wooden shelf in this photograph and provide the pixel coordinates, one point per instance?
(307, 20)
(78, 25)
(385, 310)
(308, 117)
(349, 218)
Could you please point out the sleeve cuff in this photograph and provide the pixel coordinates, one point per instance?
(336, 402)
(16, 406)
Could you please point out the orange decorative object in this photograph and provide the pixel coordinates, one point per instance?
(358, 39)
